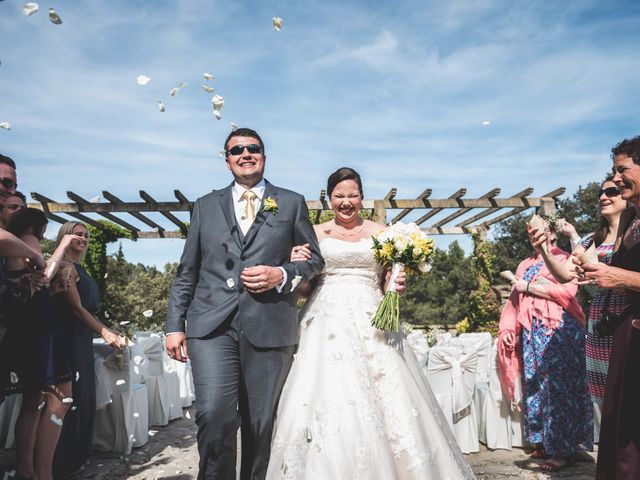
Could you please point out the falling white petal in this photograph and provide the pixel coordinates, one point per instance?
(30, 8)
(95, 199)
(105, 276)
(55, 419)
(67, 400)
(152, 432)
(161, 106)
(77, 376)
(106, 314)
(174, 91)
(217, 114)
(5, 125)
(120, 382)
(234, 127)
(138, 359)
(125, 322)
(277, 23)
(187, 414)
(54, 17)
(143, 79)
(221, 153)
(148, 313)
(14, 377)
(136, 414)
(208, 89)
(218, 102)
(136, 370)
(41, 406)
(182, 84)
(208, 76)
(486, 122)
(74, 408)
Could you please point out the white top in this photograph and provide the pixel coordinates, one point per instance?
(239, 203)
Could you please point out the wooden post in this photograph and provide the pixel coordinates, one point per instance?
(379, 212)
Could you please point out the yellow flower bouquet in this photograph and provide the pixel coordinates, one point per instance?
(399, 247)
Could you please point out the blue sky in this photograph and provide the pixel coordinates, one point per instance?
(397, 90)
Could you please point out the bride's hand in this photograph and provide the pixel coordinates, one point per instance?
(400, 282)
(300, 253)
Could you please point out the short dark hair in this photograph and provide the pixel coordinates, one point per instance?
(7, 161)
(629, 147)
(342, 174)
(26, 219)
(18, 194)
(243, 132)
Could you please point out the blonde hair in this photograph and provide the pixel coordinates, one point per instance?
(66, 229)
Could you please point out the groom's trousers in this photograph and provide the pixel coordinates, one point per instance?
(236, 384)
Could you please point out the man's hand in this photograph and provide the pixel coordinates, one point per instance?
(261, 278)
(177, 346)
(599, 274)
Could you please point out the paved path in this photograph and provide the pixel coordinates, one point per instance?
(171, 454)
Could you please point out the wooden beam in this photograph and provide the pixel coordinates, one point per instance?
(323, 195)
(168, 215)
(77, 216)
(146, 220)
(44, 206)
(491, 194)
(79, 200)
(165, 234)
(456, 196)
(524, 193)
(513, 212)
(448, 230)
(423, 196)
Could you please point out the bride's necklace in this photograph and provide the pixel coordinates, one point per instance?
(351, 234)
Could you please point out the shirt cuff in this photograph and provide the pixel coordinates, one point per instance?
(280, 287)
(171, 333)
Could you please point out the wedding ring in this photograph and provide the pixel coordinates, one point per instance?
(260, 285)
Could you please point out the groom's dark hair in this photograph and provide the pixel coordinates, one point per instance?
(629, 147)
(342, 174)
(243, 132)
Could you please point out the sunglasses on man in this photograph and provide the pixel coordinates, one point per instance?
(609, 192)
(252, 148)
(8, 183)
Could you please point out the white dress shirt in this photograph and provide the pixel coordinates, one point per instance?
(240, 204)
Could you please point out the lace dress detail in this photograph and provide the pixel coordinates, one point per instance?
(356, 404)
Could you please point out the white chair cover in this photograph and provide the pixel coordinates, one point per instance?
(480, 342)
(451, 375)
(124, 422)
(164, 388)
(501, 427)
(417, 340)
(103, 383)
(9, 411)
(170, 367)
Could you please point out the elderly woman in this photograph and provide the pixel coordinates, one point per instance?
(542, 342)
(619, 452)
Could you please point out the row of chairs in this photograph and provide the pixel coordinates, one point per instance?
(136, 388)
(463, 373)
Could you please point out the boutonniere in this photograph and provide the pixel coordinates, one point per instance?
(270, 205)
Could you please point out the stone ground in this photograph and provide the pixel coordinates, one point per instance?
(171, 454)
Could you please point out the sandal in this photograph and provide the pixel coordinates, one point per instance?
(553, 466)
(539, 453)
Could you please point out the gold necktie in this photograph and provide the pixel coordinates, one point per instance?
(249, 208)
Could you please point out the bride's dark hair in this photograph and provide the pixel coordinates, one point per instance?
(342, 174)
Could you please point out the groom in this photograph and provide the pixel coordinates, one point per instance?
(233, 304)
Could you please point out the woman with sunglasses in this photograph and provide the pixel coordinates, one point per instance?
(599, 340)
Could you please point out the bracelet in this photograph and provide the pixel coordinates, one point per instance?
(528, 289)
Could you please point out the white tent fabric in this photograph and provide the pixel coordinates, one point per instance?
(124, 422)
(451, 375)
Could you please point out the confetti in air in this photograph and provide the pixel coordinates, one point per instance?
(95, 199)
(486, 122)
(67, 400)
(14, 377)
(143, 80)
(208, 76)
(234, 127)
(30, 8)
(148, 313)
(161, 106)
(208, 89)
(54, 17)
(120, 382)
(125, 322)
(217, 102)
(5, 125)
(55, 419)
(277, 24)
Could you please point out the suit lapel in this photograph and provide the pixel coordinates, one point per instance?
(261, 217)
(226, 202)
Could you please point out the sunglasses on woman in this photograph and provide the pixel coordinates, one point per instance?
(609, 192)
(253, 148)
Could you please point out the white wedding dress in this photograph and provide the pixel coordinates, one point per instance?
(356, 404)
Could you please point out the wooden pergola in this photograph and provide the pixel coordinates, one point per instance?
(471, 214)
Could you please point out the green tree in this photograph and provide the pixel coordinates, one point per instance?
(440, 296)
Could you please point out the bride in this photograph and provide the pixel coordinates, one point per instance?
(356, 404)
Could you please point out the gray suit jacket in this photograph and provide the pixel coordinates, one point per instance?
(208, 289)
